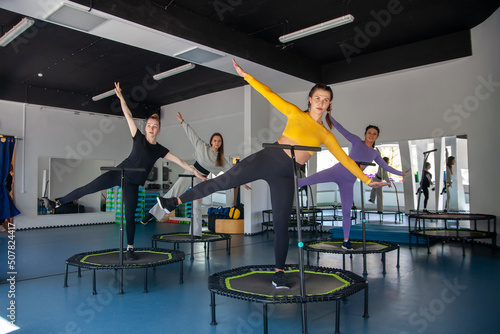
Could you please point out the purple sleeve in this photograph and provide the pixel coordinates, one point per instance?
(347, 135)
(381, 162)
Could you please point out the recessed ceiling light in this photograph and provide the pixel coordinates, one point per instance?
(197, 55)
(75, 18)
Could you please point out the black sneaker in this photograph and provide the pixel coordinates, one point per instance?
(167, 204)
(130, 255)
(146, 219)
(279, 280)
(347, 245)
(371, 201)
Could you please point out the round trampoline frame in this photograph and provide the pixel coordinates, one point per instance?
(81, 261)
(451, 234)
(181, 237)
(218, 283)
(389, 246)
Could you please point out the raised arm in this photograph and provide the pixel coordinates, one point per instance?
(195, 140)
(283, 106)
(347, 135)
(172, 157)
(126, 111)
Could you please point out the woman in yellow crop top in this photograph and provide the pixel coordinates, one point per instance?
(273, 166)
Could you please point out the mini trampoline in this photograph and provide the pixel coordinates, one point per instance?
(110, 259)
(253, 283)
(206, 239)
(334, 246)
(452, 233)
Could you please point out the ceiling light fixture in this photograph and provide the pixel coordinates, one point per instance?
(316, 28)
(173, 71)
(17, 30)
(103, 95)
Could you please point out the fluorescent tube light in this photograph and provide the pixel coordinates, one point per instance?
(173, 71)
(104, 95)
(17, 30)
(316, 28)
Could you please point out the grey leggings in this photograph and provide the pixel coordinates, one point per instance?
(271, 165)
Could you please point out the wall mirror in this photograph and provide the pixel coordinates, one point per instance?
(59, 176)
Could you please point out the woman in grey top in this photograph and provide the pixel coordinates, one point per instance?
(209, 159)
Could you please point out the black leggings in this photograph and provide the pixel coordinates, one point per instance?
(105, 181)
(425, 190)
(275, 167)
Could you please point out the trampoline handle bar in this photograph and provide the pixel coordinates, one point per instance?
(365, 163)
(187, 175)
(131, 169)
(289, 147)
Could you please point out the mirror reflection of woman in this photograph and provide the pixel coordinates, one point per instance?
(449, 172)
(145, 152)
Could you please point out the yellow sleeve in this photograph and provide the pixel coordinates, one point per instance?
(333, 146)
(283, 106)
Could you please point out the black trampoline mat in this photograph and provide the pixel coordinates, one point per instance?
(356, 245)
(186, 237)
(453, 233)
(260, 283)
(112, 258)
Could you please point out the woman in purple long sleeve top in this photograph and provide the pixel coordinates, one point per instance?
(362, 150)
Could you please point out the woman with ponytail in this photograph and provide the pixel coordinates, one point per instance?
(361, 150)
(145, 151)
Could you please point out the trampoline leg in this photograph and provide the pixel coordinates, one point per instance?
(145, 280)
(463, 246)
(337, 317)
(192, 250)
(120, 291)
(207, 249)
(212, 305)
(264, 315)
(304, 318)
(383, 263)
(397, 263)
(343, 261)
(79, 271)
(428, 246)
(307, 257)
(94, 291)
(364, 265)
(228, 246)
(181, 279)
(66, 277)
(366, 315)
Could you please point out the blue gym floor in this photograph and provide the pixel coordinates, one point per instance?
(442, 292)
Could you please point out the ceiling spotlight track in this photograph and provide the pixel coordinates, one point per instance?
(317, 28)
